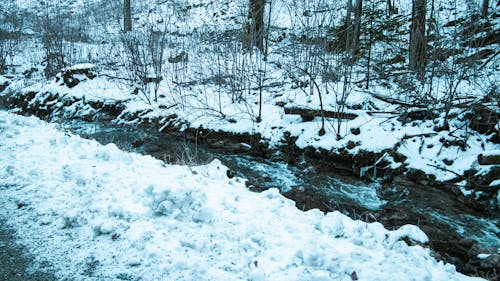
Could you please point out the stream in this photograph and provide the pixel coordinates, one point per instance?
(457, 233)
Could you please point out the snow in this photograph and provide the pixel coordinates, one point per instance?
(483, 256)
(82, 66)
(199, 27)
(429, 153)
(491, 152)
(3, 80)
(97, 213)
(97, 89)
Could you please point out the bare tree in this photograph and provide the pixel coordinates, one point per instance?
(144, 54)
(348, 25)
(357, 26)
(390, 7)
(255, 27)
(418, 41)
(52, 29)
(127, 16)
(484, 10)
(11, 24)
(352, 28)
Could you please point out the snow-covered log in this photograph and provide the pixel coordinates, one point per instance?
(309, 114)
(488, 159)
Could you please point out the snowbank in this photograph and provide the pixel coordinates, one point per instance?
(97, 213)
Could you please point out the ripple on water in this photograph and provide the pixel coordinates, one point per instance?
(364, 194)
(485, 231)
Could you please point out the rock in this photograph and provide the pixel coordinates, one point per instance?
(74, 75)
(151, 147)
(448, 162)
(491, 263)
(4, 85)
(351, 145)
(476, 249)
(355, 131)
(467, 242)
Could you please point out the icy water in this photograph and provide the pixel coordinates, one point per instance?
(358, 199)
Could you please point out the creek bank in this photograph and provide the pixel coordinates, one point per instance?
(447, 244)
(387, 165)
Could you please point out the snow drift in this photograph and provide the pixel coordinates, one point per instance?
(97, 213)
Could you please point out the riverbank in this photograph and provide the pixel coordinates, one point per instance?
(447, 243)
(97, 212)
(402, 151)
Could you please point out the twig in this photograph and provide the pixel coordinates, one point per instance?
(488, 60)
(381, 112)
(447, 170)
(116, 77)
(392, 101)
(405, 137)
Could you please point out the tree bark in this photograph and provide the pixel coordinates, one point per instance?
(348, 26)
(357, 26)
(348, 13)
(255, 28)
(488, 159)
(390, 7)
(127, 16)
(418, 41)
(484, 10)
(369, 59)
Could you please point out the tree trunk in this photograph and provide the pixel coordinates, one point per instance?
(127, 16)
(348, 26)
(255, 28)
(348, 13)
(368, 63)
(268, 30)
(391, 7)
(435, 47)
(418, 42)
(484, 11)
(357, 27)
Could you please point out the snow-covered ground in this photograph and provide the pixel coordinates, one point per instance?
(425, 149)
(97, 213)
(217, 86)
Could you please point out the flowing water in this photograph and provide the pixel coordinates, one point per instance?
(446, 221)
(348, 195)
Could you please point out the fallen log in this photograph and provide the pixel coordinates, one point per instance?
(393, 101)
(309, 114)
(488, 159)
